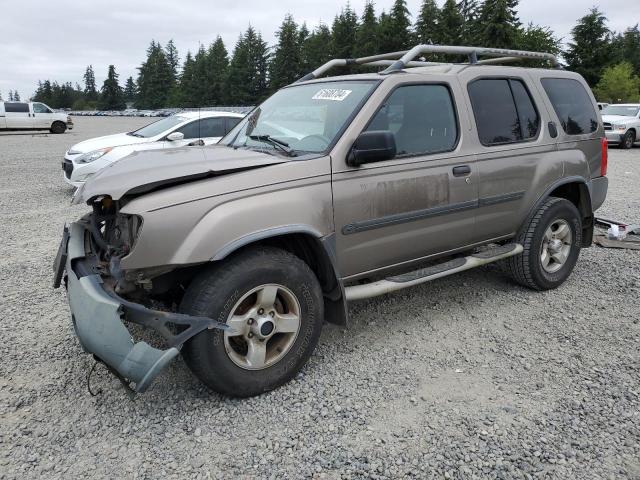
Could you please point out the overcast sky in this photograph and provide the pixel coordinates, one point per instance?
(57, 39)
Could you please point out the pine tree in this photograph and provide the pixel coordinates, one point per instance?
(217, 71)
(10, 96)
(171, 52)
(592, 49)
(16, 96)
(90, 91)
(468, 10)
(367, 34)
(155, 79)
(187, 86)
(627, 45)
(535, 38)
(343, 34)
(247, 79)
(498, 24)
(284, 67)
(111, 96)
(130, 90)
(399, 17)
(314, 50)
(426, 27)
(450, 25)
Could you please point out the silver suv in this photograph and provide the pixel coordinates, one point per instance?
(334, 189)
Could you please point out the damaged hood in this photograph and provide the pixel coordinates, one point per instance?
(146, 171)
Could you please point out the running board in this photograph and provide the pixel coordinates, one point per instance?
(398, 282)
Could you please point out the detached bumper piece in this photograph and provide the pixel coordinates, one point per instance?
(98, 314)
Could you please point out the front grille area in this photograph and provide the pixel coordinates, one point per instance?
(607, 126)
(67, 166)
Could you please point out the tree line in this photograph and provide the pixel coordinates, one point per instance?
(609, 61)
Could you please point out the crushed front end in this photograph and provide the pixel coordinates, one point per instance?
(102, 298)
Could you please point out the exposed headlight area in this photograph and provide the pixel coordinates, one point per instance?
(92, 156)
(114, 233)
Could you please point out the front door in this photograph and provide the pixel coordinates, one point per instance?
(420, 203)
(18, 115)
(42, 116)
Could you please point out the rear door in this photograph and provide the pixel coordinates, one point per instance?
(42, 115)
(420, 203)
(18, 115)
(212, 129)
(517, 157)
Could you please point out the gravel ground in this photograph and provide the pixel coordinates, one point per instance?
(466, 377)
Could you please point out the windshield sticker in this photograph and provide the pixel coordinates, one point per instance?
(335, 94)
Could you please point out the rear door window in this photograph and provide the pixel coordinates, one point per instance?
(212, 127)
(422, 118)
(504, 111)
(232, 122)
(16, 107)
(572, 104)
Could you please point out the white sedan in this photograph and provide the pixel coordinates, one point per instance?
(186, 128)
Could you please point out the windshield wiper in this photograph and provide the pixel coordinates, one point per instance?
(279, 144)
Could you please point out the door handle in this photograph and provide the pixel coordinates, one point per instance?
(461, 170)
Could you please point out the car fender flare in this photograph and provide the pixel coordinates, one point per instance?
(335, 300)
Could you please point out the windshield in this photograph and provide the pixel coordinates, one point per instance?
(624, 110)
(156, 128)
(301, 119)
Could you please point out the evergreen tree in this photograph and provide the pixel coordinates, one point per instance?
(592, 49)
(314, 51)
(343, 35)
(284, 67)
(468, 10)
(171, 52)
(111, 96)
(247, 79)
(16, 96)
(10, 96)
(90, 91)
(627, 45)
(217, 71)
(0, 96)
(187, 83)
(367, 33)
(426, 27)
(450, 25)
(535, 38)
(393, 28)
(199, 91)
(155, 79)
(497, 24)
(130, 90)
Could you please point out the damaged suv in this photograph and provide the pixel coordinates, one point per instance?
(334, 189)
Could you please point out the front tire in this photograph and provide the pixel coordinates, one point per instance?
(58, 127)
(273, 302)
(628, 140)
(551, 241)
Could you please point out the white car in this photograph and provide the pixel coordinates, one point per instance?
(622, 123)
(186, 128)
(32, 116)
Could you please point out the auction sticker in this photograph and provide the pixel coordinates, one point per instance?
(335, 94)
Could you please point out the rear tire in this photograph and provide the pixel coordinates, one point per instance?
(58, 127)
(247, 291)
(628, 140)
(551, 242)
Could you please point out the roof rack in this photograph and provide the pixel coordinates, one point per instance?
(397, 61)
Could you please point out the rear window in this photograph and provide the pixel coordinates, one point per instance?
(13, 107)
(572, 104)
(504, 111)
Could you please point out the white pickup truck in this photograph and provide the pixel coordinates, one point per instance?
(32, 116)
(622, 124)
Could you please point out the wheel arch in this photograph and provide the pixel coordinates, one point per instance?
(576, 190)
(310, 246)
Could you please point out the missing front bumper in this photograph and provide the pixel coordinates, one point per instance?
(98, 315)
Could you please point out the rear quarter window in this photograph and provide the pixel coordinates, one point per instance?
(12, 107)
(572, 105)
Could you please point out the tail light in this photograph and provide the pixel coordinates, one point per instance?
(604, 144)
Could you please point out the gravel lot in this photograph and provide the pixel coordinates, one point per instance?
(466, 377)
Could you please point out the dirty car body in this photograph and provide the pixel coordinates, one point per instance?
(360, 177)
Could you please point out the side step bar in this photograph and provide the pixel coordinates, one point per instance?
(398, 282)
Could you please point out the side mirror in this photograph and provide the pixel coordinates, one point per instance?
(175, 136)
(374, 146)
